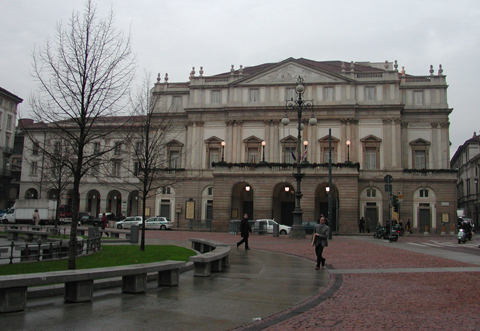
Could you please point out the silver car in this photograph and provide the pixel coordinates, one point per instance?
(129, 221)
(158, 223)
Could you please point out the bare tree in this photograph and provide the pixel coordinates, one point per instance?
(154, 144)
(84, 77)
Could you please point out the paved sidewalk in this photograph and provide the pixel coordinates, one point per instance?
(370, 285)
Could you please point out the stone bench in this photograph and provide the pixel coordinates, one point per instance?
(79, 283)
(12, 234)
(214, 257)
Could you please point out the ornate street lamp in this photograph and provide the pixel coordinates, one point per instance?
(348, 147)
(223, 151)
(263, 146)
(297, 231)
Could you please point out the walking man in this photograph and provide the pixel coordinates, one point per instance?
(320, 241)
(245, 230)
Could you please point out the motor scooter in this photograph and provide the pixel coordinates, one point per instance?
(461, 236)
(395, 232)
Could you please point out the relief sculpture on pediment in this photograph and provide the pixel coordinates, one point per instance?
(290, 73)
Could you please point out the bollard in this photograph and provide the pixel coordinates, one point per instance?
(426, 231)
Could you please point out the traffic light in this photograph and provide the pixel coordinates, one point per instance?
(395, 203)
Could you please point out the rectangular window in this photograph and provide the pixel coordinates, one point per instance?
(57, 148)
(95, 168)
(291, 94)
(136, 168)
(9, 122)
(418, 97)
(96, 148)
(254, 95)
(116, 169)
(176, 103)
(370, 158)
(371, 193)
(326, 155)
(328, 94)
(174, 161)
(118, 148)
(424, 193)
(139, 148)
(214, 156)
(35, 149)
(216, 97)
(10, 105)
(252, 156)
(468, 186)
(420, 160)
(7, 141)
(290, 155)
(33, 169)
(210, 191)
(166, 190)
(370, 93)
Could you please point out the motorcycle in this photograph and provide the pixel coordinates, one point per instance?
(461, 236)
(381, 232)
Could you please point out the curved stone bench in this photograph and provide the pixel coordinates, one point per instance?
(214, 256)
(79, 283)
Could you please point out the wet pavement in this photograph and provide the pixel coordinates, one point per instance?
(417, 283)
(256, 284)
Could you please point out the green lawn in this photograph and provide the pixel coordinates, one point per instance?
(110, 256)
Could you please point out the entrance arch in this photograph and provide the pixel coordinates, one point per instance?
(93, 202)
(242, 200)
(321, 205)
(114, 203)
(283, 203)
(132, 205)
(31, 193)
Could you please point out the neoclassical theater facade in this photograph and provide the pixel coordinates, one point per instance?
(240, 157)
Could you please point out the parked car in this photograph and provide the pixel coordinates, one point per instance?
(282, 229)
(159, 223)
(129, 221)
(309, 226)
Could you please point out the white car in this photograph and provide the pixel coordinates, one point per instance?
(282, 229)
(158, 223)
(129, 221)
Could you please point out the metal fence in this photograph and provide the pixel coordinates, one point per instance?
(200, 224)
(16, 252)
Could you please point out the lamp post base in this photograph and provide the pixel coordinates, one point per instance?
(297, 232)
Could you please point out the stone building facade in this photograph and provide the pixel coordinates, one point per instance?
(8, 114)
(239, 156)
(467, 161)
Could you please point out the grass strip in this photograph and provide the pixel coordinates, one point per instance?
(110, 256)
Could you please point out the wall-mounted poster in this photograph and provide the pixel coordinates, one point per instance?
(190, 210)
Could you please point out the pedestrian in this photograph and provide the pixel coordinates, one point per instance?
(245, 230)
(36, 217)
(104, 223)
(361, 225)
(320, 241)
(408, 227)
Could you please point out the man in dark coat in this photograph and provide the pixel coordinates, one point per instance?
(320, 240)
(245, 230)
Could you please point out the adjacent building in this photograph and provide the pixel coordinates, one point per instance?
(467, 161)
(232, 144)
(8, 114)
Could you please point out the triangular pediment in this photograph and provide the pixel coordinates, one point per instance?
(325, 139)
(213, 139)
(420, 142)
(287, 72)
(289, 138)
(371, 138)
(174, 142)
(252, 139)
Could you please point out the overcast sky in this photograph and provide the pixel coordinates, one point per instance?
(174, 36)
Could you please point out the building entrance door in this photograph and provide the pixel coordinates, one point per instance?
(371, 219)
(423, 219)
(287, 209)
